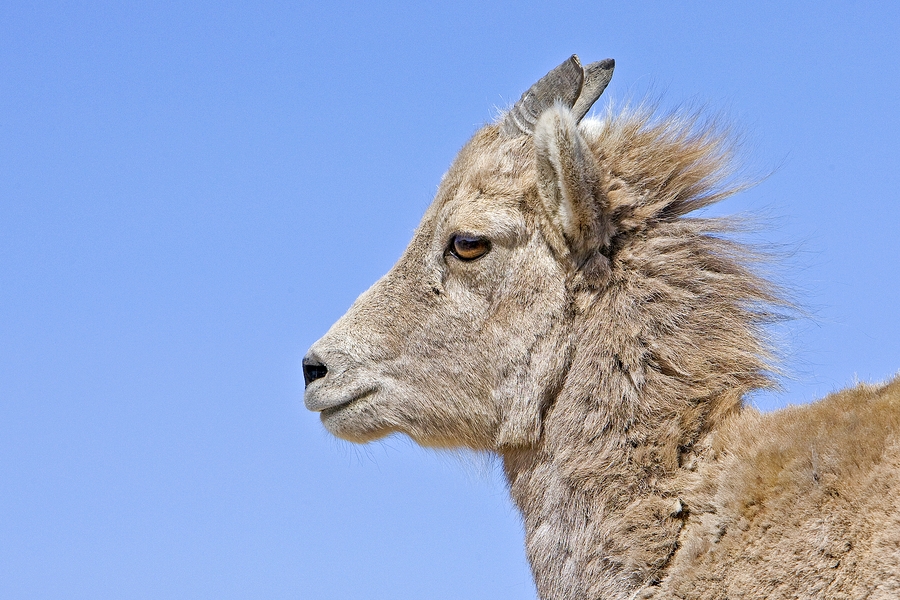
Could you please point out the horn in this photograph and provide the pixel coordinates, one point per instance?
(562, 83)
(596, 78)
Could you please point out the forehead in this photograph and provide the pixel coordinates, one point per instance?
(488, 182)
(492, 161)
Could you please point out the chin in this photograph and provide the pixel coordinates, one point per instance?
(346, 423)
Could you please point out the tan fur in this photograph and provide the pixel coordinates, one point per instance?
(603, 348)
(801, 503)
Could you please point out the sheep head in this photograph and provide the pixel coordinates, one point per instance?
(465, 341)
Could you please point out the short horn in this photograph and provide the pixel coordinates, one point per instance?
(596, 78)
(562, 84)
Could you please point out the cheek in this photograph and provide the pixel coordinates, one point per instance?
(453, 346)
(495, 311)
(473, 286)
(450, 359)
(531, 300)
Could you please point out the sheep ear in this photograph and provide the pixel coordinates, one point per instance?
(570, 186)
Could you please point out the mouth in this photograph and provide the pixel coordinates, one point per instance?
(333, 410)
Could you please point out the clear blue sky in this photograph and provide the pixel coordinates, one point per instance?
(191, 193)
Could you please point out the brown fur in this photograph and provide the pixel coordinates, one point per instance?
(603, 348)
(801, 503)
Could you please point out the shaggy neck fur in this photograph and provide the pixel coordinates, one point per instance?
(661, 355)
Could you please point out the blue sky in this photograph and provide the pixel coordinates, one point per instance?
(190, 194)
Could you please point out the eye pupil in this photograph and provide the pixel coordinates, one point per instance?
(466, 247)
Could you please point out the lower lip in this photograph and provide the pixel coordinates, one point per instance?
(332, 410)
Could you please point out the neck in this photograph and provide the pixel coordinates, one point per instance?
(599, 528)
(601, 492)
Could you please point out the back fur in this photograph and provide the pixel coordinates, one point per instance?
(801, 503)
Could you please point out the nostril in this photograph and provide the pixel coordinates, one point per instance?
(313, 369)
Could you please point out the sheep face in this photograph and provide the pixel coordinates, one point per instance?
(461, 343)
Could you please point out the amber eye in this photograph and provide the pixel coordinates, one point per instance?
(468, 247)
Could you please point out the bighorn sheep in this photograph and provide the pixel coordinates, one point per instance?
(557, 306)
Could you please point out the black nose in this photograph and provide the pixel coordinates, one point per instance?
(313, 369)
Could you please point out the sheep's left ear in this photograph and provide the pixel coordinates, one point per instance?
(571, 190)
